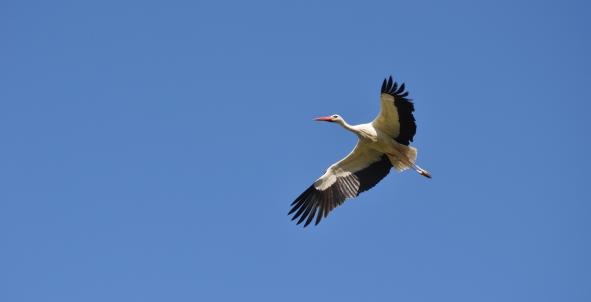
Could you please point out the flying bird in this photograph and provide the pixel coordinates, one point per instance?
(382, 144)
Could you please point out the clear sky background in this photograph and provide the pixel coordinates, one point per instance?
(150, 150)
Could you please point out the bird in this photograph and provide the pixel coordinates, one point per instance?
(382, 144)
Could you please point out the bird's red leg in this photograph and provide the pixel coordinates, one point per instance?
(422, 171)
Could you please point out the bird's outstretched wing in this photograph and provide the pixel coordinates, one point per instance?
(359, 171)
(395, 117)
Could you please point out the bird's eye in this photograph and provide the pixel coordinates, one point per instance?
(335, 116)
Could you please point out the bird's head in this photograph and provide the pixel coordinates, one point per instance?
(332, 118)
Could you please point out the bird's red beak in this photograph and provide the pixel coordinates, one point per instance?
(324, 119)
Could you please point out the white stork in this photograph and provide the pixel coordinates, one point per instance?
(382, 144)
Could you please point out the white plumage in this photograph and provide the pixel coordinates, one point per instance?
(382, 144)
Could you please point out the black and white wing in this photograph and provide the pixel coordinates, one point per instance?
(395, 117)
(359, 171)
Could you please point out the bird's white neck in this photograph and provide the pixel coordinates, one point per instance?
(345, 125)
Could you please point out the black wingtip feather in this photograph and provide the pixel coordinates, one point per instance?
(311, 216)
(320, 215)
(293, 209)
(391, 87)
(401, 89)
(301, 209)
(306, 212)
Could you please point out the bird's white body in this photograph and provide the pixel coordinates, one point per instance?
(382, 144)
(377, 139)
(372, 143)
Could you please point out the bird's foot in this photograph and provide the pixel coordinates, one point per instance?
(423, 172)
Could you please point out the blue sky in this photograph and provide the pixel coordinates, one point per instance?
(150, 150)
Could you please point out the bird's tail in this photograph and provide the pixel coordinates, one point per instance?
(406, 159)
